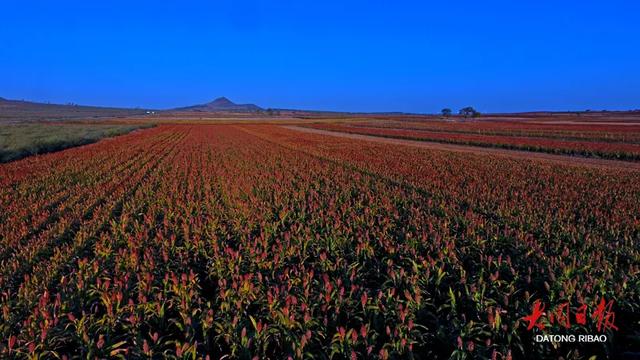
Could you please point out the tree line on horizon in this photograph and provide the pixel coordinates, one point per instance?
(468, 111)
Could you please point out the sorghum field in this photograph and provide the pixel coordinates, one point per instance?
(258, 241)
(583, 139)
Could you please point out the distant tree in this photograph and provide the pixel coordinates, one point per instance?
(446, 112)
(469, 112)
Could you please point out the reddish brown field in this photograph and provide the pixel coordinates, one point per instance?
(446, 146)
(619, 140)
(264, 241)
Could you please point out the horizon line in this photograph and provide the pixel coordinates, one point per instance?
(177, 109)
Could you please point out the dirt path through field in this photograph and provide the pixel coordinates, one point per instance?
(562, 159)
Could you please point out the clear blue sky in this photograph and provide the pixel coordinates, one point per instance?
(415, 56)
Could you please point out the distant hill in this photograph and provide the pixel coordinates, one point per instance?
(15, 111)
(221, 104)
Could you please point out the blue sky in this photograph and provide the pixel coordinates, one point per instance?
(414, 56)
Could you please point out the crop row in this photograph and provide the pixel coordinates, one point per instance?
(601, 132)
(607, 150)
